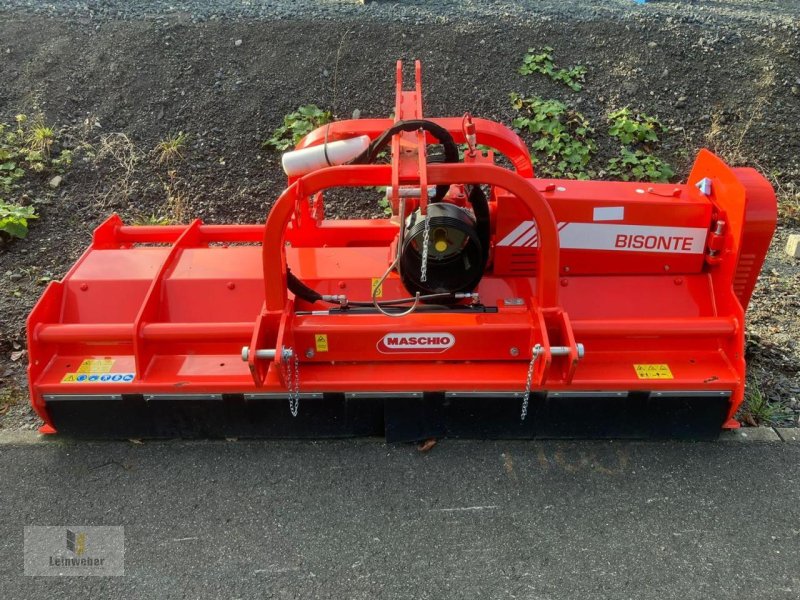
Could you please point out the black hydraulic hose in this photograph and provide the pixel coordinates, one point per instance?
(437, 131)
(300, 289)
(480, 207)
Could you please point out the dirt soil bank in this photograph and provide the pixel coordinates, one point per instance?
(229, 83)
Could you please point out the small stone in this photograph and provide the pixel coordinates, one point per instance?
(356, 114)
(651, 44)
(237, 43)
(681, 102)
(793, 246)
(630, 87)
(55, 181)
(15, 276)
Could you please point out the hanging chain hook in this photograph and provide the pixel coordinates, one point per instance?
(426, 240)
(292, 375)
(537, 351)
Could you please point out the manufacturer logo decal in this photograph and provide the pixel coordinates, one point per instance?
(619, 237)
(423, 342)
(633, 238)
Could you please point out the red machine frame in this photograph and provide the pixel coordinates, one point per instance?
(163, 312)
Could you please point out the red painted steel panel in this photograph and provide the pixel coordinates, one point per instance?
(639, 274)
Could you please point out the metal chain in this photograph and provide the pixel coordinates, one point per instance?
(292, 379)
(426, 238)
(537, 350)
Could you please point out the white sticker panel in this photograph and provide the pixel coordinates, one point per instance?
(609, 213)
(633, 238)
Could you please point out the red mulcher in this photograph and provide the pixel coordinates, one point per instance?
(491, 304)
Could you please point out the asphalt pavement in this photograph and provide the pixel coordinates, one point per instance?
(362, 519)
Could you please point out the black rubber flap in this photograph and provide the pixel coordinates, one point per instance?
(415, 417)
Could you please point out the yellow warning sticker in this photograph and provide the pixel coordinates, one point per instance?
(96, 365)
(653, 372)
(321, 341)
(98, 378)
(377, 287)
